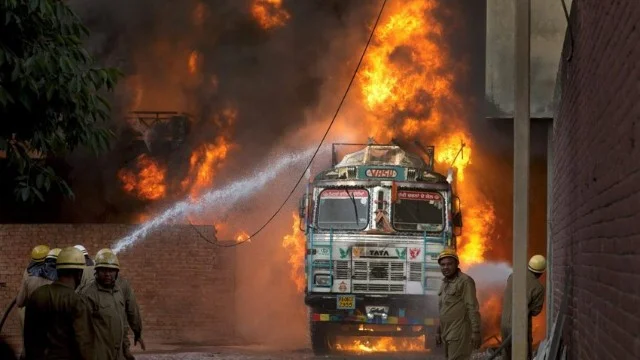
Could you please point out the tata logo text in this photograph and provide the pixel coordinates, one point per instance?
(378, 253)
(381, 173)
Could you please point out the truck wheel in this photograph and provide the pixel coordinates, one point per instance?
(319, 333)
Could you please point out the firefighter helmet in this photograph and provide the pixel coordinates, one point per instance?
(537, 264)
(103, 251)
(82, 249)
(70, 258)
(448, 253)
(39, 253)
(107, 260)
(53, 253)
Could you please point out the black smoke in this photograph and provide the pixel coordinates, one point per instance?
(270, 76)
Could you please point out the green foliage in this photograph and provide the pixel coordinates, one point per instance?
(50, 102)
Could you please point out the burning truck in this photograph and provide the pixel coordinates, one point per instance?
(375, 223)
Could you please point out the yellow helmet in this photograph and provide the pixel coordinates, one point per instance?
(107, 260)
(448, 253)
(103, 251)
(70, 258)
(538, 264)
(39, 253)
(53, 253)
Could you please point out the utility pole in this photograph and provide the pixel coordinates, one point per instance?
(521, 140)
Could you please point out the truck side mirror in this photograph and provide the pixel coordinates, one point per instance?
(457, 223)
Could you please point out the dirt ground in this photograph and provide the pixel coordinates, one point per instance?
(256, 353)
(264, 353)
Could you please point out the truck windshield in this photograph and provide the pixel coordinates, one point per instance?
(343, 209)
(418, 211)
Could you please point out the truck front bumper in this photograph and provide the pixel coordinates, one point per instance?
(412, 310)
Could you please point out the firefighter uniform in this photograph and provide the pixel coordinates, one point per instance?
(108, 312)
(89, 271)
(459, 314)
(131, 309)
(31, 283)
(535, 301)
(58, 322)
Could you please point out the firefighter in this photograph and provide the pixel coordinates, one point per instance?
(459, 327)
(88, 273)
(50, 262)
(58, 321)
(535, 300)
(107, 305)
(132, 311)
(34, 277)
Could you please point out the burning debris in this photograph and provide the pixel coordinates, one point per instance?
(364, 345)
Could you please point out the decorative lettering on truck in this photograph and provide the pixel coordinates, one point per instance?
(419, 196)
(343, 194)
(381, 173)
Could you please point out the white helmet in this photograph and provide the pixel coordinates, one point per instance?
(81, 248)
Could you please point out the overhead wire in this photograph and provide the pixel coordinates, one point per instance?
(302, 175)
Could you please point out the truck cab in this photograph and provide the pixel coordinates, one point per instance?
(375, 223)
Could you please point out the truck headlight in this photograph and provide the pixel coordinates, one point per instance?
(322, 280)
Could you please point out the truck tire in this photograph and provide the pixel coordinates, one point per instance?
(319, 333)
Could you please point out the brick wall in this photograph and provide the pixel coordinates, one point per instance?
(185, 286)
(596, 194)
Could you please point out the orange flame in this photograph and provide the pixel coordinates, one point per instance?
(491, 311)
(407, 91)
(148, 183)
(269, 13)
(194, 62)
(203, 164)
(208, 158)
(380, 344)
(242, 236)
(294, 243)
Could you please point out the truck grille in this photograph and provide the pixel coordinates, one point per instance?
(378, 287)
(415, 272)
(378, 270)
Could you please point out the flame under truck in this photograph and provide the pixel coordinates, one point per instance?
(375, 223)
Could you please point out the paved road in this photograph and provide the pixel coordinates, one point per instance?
(262, 353)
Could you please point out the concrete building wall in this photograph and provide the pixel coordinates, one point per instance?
(548, 24)
(596, 188)
(185, 286)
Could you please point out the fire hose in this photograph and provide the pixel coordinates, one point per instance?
(6, 314)
(504, 343)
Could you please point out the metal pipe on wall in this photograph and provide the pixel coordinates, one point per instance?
(549, 282)
(521, 143)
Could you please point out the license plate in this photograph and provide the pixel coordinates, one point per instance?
(377, 310)
(346, 302)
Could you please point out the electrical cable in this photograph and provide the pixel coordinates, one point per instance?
(335, 115)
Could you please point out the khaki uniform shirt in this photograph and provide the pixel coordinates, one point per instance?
(58, 325)
(131, 307)
(535, 301)
(29, 285)
(107, 307)
(459, 308)
(87, 276)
